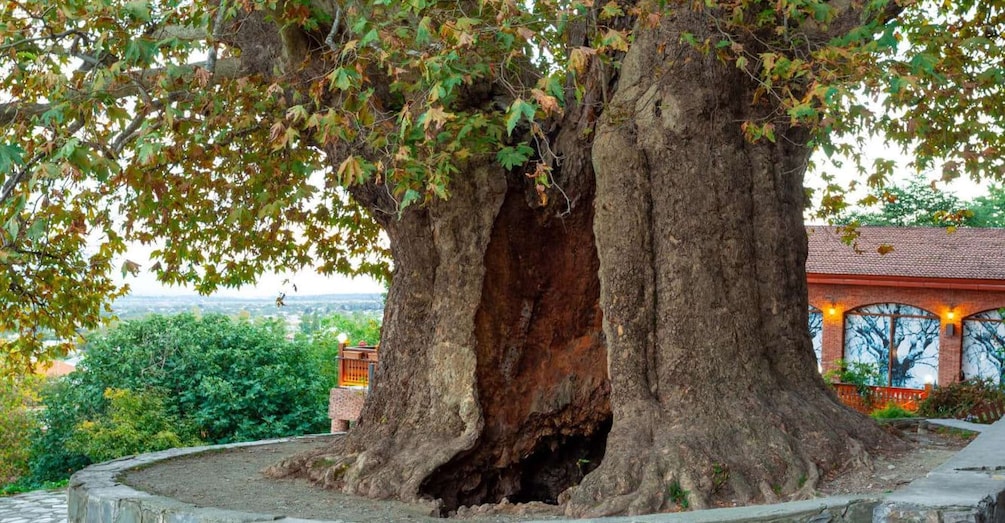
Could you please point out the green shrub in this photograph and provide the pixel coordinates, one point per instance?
(17, 395)
(862, 375)
(891, 411)
(855, 373)
(67, 403)
(229, 380)
(960, 400)
(134, 422)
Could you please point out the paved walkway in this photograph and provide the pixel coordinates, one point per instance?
(40, 506)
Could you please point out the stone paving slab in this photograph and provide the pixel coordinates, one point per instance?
(40, 506)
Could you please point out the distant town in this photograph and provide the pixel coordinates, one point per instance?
(291, 308)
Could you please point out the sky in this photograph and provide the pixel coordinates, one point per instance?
(308, 283)
(269, 285)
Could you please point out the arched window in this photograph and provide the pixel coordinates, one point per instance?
(984, 345)
(816, 324)
(901, 341)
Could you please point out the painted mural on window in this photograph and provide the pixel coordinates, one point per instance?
(901, 341)
(816, 324)
(984, 346)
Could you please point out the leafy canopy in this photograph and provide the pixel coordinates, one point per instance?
(229, 135)
(922, 203)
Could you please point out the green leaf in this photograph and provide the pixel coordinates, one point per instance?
(10, 155)
(138, 9)
(341, 78)
(411, 196)
(821, 11)
(37, 230)
(517, 110)
(611, 10)
(423, 34)
(510, 157)
(369, 37)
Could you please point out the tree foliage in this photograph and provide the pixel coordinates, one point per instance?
(180, 126)
(922, 203)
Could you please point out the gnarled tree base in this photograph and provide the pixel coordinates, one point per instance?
(695, 454)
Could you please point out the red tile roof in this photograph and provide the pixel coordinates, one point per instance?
(925, 252)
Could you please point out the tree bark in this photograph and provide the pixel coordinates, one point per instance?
(492, 380)
(650, 319)
(715, 394)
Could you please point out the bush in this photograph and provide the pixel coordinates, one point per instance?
(17, 395)
(856, 373)
(961, 400)
(135, 422)
(229, 380)
(66, 405)
(891, 411)
(861, 375)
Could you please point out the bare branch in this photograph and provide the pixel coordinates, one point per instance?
(19, 175)
(57, 36)
(330, 39)
(225, 68)
(221, 12)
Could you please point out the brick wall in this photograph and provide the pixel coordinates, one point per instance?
(938, 301)
(344, 405)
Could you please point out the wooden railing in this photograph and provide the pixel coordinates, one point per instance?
(872, 398)
(354, 365)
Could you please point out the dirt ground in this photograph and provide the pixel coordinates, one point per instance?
(231, 479)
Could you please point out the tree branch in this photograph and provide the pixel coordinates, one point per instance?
(221, 12)
(56, 36)
(19, 175)
(225, 68)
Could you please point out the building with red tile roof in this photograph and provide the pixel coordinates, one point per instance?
(921, 303)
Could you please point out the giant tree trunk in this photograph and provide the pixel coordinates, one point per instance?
(492, 380)
(715, 391)
(495, 378)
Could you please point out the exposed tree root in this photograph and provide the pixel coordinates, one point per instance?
(720, 455)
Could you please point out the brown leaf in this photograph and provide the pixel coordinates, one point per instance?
(548, 103)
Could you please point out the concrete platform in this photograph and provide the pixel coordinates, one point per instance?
(970, 487)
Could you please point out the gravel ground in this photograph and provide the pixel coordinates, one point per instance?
(231, 480)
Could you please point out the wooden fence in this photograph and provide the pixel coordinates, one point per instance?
(987, 412)
(354, 365)
(872, 398)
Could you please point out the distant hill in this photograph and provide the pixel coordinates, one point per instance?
(256, 306)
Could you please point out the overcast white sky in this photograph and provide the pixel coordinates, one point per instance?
(269, 285)
(309, 283)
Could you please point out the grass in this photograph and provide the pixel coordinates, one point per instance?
(678, 495)
(21, 486)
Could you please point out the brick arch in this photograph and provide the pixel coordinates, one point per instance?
(867, 305)
(900, 339)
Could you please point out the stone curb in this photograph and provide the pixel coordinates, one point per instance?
(970, 487)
